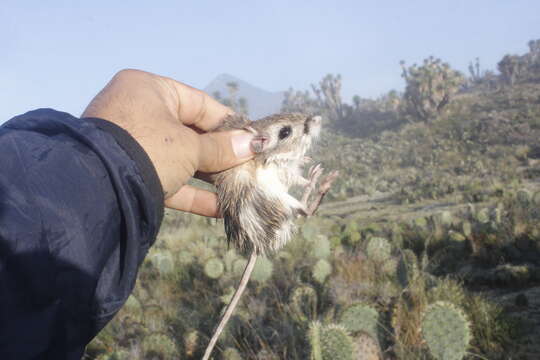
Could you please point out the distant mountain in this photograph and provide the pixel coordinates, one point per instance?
(260, 102)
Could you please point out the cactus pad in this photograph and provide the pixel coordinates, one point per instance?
(446, 330)
(314, 337)
(238, 266)
(523, 196)
(360, 317)
(115, 355)
(163, 261)
(192, 340)
(321, 270)
(390, 266)
(321, 247)
(231, 354)
(366, 347)
(407, 268)
(303, 302)
(309, 230)
(214, 268)
(336, 344)
(133, 308)
(263, 269)
(159, 345)
(378, 249)
(536, 198)
(229, 258)
(482, 216)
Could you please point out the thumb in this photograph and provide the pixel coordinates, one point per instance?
(222, 150)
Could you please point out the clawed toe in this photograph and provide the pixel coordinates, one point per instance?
(327, 182)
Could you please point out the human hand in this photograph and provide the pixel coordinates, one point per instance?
(171, 121)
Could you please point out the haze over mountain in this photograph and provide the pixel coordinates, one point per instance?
(260, 102)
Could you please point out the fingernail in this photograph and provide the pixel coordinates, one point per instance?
(241, 145)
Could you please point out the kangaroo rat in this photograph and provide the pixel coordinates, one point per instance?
(253, 197)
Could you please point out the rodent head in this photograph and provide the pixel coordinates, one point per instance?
(284, 136)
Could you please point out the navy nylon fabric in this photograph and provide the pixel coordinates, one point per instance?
(76, 221)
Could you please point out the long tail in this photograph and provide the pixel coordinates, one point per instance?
(232, 305)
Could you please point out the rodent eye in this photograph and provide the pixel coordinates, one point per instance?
(284, 132)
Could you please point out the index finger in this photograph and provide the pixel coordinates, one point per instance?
(198, 109)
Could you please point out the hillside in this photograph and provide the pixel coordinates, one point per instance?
(260, 102)
(427, 247)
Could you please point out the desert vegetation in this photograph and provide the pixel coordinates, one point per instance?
(428, 245)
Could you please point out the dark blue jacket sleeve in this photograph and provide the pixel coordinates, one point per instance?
(80, 204)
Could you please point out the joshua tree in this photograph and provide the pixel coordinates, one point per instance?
(534, 50)
(357, 100)
(511, 67)
(429, 88)
(300, 101)
(474, 71)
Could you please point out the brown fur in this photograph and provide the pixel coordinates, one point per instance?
(255, 218)
(253, 197)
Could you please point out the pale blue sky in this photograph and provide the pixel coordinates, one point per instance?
(60, 53)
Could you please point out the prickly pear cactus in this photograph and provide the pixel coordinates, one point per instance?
(159, 345)
(397, 236)
(184, 257)
(303, 302)
(192, 341)
(227, 295)
(446, 218)
(360, 317)
(482, 216)
(309, 230)
(115, 355)
(133, 308)
(330, 342)
(446, 331)
(536, 198)
(366, 347)
(336, 344)
(421, 223)
(163, 260)
(229, 258)
(390, 266)
(321, 247)
(263, 269)
(214, 268)
(321, 270)
(523, 196)
(378, 249)
(231, 354)
(238, 266)
(314, 337)
(466, 227)
(155, 318)
(407, 267)
(352, 233)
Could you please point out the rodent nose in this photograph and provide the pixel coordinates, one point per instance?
(316, 119)
(258, 144)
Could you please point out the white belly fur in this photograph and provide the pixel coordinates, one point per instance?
(268, 179)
